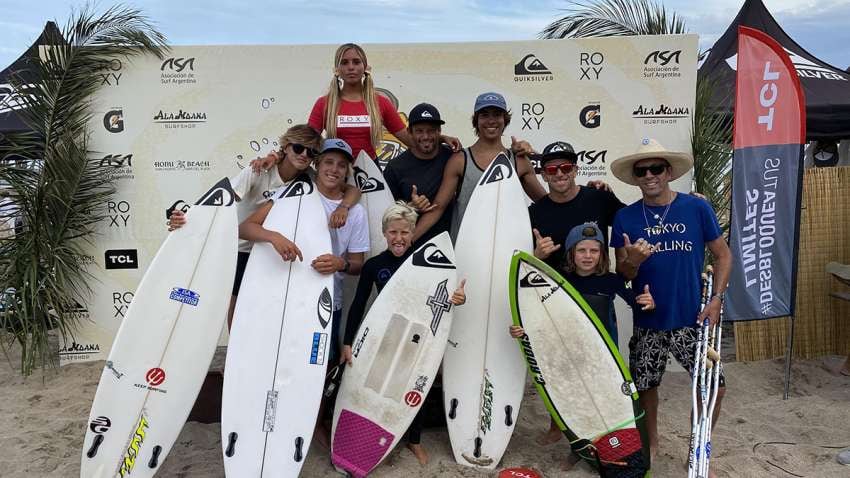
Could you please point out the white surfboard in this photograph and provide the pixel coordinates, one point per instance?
(375, 197)
(483, 371)
(279, 344)
(162, 351)
(577, 369)
(397, 351)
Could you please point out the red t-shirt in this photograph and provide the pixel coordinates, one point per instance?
(352, 122)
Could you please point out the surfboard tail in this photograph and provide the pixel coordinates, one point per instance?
(359, 444)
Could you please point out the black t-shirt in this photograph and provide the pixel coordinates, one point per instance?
(407, 170)
(555, 220)
(376, 271)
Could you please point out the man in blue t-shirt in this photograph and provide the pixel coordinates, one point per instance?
(660, 240)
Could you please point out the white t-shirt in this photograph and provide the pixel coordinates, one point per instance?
(352, 237)
(253, 189)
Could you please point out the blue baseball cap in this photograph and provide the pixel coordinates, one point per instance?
(486, 100)
(336, 144)
(586, 231)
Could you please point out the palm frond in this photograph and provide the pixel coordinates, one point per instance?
(711, 144)
(57, 189)
(614, 18)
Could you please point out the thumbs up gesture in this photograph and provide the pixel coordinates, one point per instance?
(544, 246)
(645, 299)
(419, 201)
(459, 295)
(521, 147)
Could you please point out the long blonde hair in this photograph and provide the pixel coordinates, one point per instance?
(370, 97)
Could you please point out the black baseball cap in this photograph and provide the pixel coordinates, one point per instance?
(424, 113)
(558, 150)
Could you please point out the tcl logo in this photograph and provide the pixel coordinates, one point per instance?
(121, 259)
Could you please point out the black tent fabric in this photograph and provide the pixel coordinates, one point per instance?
(827, 88)
(9, 121)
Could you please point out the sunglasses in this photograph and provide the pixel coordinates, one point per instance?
(553, 169)
(300, 148)
(655, 169)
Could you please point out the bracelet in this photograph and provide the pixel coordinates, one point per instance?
(347, 208)
(719, 295)
(347, 266)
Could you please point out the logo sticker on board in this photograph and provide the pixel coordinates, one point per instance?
(324, 308)
(184, 296)
(533, 279)
(100, 424)
(318, 349)
(155, 377)
(300, 186)
(439, 303)
(366, 183)
(221, 194)
(431, 256)
(499, 169)
(412, 398)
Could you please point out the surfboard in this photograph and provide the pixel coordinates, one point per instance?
(577, 369)
(279, 342)
(375, 197)
(160, 356)
(397, 352)
(483, 372)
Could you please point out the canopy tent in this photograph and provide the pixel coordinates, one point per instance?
(827, 89)
(9, 120)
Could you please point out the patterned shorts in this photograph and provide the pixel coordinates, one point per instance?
(649, 348)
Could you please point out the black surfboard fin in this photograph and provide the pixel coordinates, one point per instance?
(231, 444)
(509, 420)
(477, 452)
(453, 409)
(154, 461)
(95, 444)
(299, 442)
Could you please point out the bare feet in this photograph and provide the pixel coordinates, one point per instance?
(551, 436)
(419, 453)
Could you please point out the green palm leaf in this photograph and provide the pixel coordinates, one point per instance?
(57, 189)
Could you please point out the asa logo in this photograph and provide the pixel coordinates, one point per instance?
(113, 120)
(531, 69)
(590, 156)
(662, 57)
(177, 65)
(590, 116)
(366, 183)
(117, 160)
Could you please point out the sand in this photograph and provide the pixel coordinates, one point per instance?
(43, 420)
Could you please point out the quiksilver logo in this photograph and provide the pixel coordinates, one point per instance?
(430, 255)
(499, 169)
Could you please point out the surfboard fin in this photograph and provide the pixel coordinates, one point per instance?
(95, 444)
(231, 444)
(453, 409)
(509, 420)
(477, 452)
(154, 461)
(299, 442)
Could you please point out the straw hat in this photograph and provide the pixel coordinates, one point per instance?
(680, 163)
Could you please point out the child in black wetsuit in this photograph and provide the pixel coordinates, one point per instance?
(586, 269)
(398, 224)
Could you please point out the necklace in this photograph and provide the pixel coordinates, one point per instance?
(659, 227)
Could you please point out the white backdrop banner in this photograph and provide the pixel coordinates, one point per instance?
(171, 128)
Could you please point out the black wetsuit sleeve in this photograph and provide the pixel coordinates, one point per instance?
(358, 305)
(627, 295)
(392, 183)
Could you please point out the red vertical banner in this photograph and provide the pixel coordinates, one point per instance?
(770, 134)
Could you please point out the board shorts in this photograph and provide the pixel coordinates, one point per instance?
(241, 262)
(649, 348)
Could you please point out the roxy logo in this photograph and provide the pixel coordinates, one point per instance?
(120, 302)
(590, 65)
(110, 72)
(366, 183)
(530, 68)
(177, 65)
(118, 213)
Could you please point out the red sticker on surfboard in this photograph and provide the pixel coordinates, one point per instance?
(412, 398)
(519, 473)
